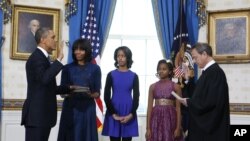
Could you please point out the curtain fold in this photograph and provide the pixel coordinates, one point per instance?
(192, 21)
(1, 32)
(104, 15)
(105, 11)
(5, 16)
(166, 15)
(75, 22)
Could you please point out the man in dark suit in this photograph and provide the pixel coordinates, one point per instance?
(209, 105)
(39, 113)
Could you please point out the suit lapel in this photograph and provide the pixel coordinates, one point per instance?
(44, 57)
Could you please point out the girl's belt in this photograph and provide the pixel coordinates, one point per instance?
(163, 101)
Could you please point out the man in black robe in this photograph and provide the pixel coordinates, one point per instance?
(209, 105)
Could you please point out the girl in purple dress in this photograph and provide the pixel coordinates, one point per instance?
(164, 118)
(120, 121)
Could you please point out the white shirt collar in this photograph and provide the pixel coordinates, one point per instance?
(44, 51)
(208, 65)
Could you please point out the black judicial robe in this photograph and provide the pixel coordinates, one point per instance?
(209, 107)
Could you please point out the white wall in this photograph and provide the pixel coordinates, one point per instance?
(238, 75)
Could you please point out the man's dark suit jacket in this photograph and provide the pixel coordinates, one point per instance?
(40, 107)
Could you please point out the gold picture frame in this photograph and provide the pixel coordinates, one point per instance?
(228, 34)
(27, 19)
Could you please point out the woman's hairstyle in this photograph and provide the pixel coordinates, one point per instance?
(127, 53)
(169, 66)
(82, 44)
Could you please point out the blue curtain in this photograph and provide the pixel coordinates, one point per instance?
(192, 21)
(166, 15)
(1, 32)
(75, 23)
(104, 14)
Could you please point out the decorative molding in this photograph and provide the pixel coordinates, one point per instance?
(240, 108)
(16, 104)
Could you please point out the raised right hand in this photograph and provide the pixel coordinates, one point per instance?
(60, 54)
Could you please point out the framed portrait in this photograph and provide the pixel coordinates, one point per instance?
(25, 21)
(228, 34)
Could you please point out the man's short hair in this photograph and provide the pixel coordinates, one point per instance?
(41, 33)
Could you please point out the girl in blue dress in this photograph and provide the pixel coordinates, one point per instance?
(78, 118)
(120, 121)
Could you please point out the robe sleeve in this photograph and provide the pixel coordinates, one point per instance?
(209, 100)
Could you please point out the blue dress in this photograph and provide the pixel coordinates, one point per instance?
(78, 118)
(121, 103)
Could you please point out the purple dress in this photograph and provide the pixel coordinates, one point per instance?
(163, 117)
(121, 103)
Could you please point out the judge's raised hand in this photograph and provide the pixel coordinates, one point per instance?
(60, 51)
